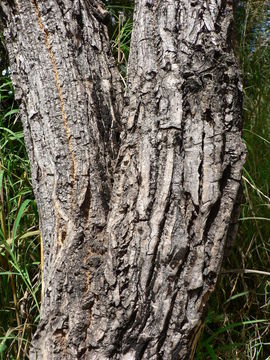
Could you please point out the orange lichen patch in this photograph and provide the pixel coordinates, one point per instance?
(59, 90)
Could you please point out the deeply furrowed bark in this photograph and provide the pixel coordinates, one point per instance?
(68, 86)
(131, 284)
(179, 177)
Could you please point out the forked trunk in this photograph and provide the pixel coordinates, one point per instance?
(133, 236)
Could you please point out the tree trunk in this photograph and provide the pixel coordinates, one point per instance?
(129, 280)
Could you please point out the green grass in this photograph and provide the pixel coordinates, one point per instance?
(238, 322)
(120, 29)
(19, 234)
(237, 325)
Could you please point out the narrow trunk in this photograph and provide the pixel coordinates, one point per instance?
(129, 281)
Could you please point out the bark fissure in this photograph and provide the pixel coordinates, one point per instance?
(59, 90)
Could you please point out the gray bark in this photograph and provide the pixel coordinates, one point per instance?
(129, 280)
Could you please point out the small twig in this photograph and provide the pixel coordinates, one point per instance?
(124, 82)
(256, 189)
(245, 271)
(119, 35)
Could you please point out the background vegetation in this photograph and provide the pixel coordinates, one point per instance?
(238, 321)
(237, 324)
(19, 234)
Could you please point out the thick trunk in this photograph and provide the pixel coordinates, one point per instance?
(130, 281)
(68, 86)
(175, 189)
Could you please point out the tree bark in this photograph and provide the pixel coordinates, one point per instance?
(68, 85)
(129, 280)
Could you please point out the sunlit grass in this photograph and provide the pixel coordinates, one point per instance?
(120, 33)
(238, 323)
(19, 234)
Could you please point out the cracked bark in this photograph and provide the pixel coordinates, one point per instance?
(133, 235)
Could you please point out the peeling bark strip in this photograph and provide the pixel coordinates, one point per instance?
(131, 281)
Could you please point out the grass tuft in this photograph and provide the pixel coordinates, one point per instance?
(19, 234)
(238, 323)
